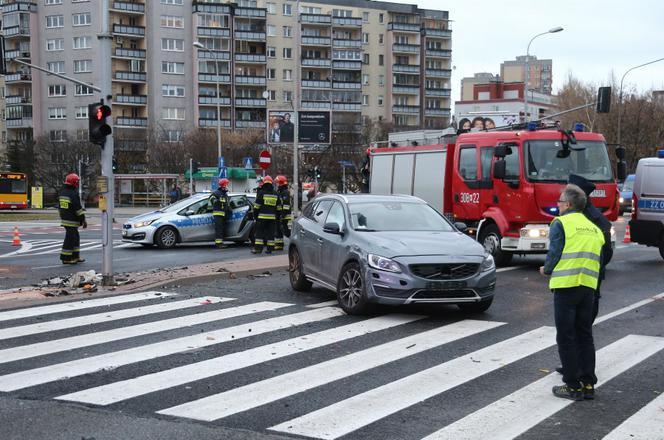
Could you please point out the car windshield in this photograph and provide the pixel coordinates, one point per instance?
(396, 216)
(175, 207)
(548, 161)
(628, 185)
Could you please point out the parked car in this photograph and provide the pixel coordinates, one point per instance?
(388, 250)
(190, 220)
(626, 189)
(647, 222)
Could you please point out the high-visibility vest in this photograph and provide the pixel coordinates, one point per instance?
(580, 261)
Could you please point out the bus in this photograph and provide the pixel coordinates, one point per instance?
(13, 191)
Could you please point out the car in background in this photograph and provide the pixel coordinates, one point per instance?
(388, 250)
(626, 189)
(190, 220)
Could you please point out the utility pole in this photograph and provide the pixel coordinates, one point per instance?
(191, 176)
(296, 106)
(80, 184)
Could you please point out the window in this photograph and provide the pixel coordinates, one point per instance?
(365, 38)
(57, 135)
(486, 156)
(288, 30)
(172, 2)
(380, 100)
(82, 90)
(172, 68)
(365, 79)
(82, 134)
(57, 90)
(57, 113)
(288, 96)
(82, 112)
(55, 21)
(271, 52)
(172, 91)
(82, 66)
(365, 99)
(381, 60)
(172, 21)
(84, 42)
(82, 19)
(381, 18)
(288, 53)
(336, 215)
(288, 9)
(288, 75)
(56, 66)
(172, 44)
(381, 80)
(271, 30)
(468, 162)
(381, 39)
(365, 17)
(174, 135)
(271, 73)
(174, 113)
(342, 13)
(365, 58)
(55, 44)
(320, 211)
(271, 8)
(53, 2)
(271, 95)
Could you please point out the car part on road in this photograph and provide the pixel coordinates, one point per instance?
(297, 279)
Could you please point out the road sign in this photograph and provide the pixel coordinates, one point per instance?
(346, 164)
(221, 162)
(265, 159)
(222, 173)
(248, 163)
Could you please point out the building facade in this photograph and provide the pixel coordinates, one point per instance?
(540, 77)
(361, 60)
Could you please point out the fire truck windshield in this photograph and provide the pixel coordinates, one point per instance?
(550, 161)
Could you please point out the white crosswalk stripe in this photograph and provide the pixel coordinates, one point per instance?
(46, 247)
(646, 424)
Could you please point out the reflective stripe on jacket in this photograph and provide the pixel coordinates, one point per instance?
(71, 212)
(219, 200)
(267, 205)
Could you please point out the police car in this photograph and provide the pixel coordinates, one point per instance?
(190, 220)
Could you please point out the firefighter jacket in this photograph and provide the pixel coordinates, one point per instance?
(219, 200)
(286, 210)
(72, 213)
(268, 204)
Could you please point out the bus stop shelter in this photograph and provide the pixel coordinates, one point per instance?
(144, 189)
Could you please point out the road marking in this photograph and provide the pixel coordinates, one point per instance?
(520, 411)
(47, 267)
(362, 409)
(506, 269)
(117, 334)
(323, 304)
(646, 424)
(628, 308)
(240, 399)
(80, 305)
(123, 390)
(78, 367)
(41, 327)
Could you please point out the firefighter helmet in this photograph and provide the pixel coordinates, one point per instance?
(267, 179)
(72, 179)
(281, 180)
(223, 183)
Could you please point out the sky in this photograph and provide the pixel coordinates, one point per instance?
(600, 38)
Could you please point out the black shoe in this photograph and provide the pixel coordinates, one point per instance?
(588, 391)
(268, 251)
(254, 251)
(567, 392)
(69, 261)
(559, 370)
(80, 260)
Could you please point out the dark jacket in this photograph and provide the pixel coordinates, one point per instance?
(285, 197)
(219, 200)
(267, 204)
(71, 212)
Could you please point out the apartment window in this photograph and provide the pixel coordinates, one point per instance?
(172, 2)
(288, 53)
(82, 66)
(380, 38)
(56, 66)
(365, 79)
(172, 21)
(342, 13)
(271, 30)
(172, 91)
(271, 52)
(365, 99)
(82, 134)
(174, 136)
(57, 135)
(84, 42)
(82, 112)
(55, 44)
(288, 31)
(380, 100)
(365, 38)
(365, 58)
(271, 95)
(213, 20)
(288, 75)
(365, 17)
(271, 8)
(53, 2)
(271, 73)
(57, 113)
(173, 113)
(381, 18)
(381, 60)
(288, 9)
(82, 19)
(57, 90)
(288, 96)
(310, 10)
(172, 44)
(381, 80)
(82, 90)
(55, 21)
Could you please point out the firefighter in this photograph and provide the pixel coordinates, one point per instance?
(285, 215)
(266, 208)
(72, 215)
(219, 201)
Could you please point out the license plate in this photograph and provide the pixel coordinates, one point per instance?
(124, 233)
(537, 245)
(651, 205)
(598, 193)
(445, 285)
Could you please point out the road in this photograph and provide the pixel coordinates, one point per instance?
(252, 359)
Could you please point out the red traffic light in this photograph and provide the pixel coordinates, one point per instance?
(102, 112)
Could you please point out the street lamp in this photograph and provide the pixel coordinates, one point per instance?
(200, 45)
(527, 76)
(621, 90)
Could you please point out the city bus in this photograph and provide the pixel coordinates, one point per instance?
(13, 191)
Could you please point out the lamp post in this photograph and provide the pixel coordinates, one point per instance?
(527, 76)
(200, 45)
(621, 91)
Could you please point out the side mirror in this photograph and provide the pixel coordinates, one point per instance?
(332, 228)
(620, 153)
(622, 170)
(461, 226)
(501, 151)
(189, 212)
(499, 169)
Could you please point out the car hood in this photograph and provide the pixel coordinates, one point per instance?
(149, 216)
(413, 243)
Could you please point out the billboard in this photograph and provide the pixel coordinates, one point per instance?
(314, 127)
(487, 121)
(281, 128)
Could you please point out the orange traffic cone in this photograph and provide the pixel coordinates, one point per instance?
(628, 238)
(17, 237)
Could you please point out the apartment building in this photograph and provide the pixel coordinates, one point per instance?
(359, 59)
(540, 78)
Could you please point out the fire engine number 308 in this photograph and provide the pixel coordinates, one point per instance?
(469, 197)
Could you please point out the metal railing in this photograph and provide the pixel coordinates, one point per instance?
(130, 53)
(212, 100)
(213, 32)
(250, 35)
(129, 30)
(213, 78)
(403, 27)
(410, 48)
(207, 122)
(316, 62)
(250, 102)
(315, 105)
(131, 99)
(131, 76)
(247, 79)
(131, 122)
(250, 58)
(316, 84)
(406, 68)
(410, 109)
(316, 41)
(439, 73)
(130, 7)
(315, 18)
(341, 42)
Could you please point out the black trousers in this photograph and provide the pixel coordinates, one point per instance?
(71, 247)
(264, 234)
(281, 231)
(219, 229)
(573, 310)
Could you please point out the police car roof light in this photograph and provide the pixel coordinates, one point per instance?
(579, 127)
(532, 126)
(660, 154)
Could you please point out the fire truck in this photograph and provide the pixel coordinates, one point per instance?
(504, 185)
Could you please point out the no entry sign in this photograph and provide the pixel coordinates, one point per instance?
(264, 159)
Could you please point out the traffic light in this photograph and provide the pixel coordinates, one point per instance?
(316, 173)
(115, 164)
(97, 127)
(195, 166)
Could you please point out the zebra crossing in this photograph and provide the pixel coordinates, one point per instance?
(47, 345)
(46, 247)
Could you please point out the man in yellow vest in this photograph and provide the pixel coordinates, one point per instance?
(573, 262)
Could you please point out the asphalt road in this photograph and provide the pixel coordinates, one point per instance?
(274, 362)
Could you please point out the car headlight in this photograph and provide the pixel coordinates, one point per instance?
(488, 263)
(382, 263)
(621, 200)
(144, 223)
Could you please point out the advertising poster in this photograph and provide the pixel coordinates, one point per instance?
(314, 127)
(281, 127)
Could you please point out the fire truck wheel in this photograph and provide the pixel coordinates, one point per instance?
(490, 239)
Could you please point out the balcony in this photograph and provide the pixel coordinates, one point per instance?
(13, 54)
(213, 32)
(439, 53)
(19, 5)
(410, 109)
(403, 27)
(214, 55)
(347, 85)
(250, 80)
(132, 77)
(250, 58)
(17, 100)
(25, 122)
(250, 124)
(315, 105)
(405, 89)
(438, 93)
(212, 100)
(129, 54)
(315, 19)
(341, 42)
(406, 48)
(406, 68)
(250, 12)
(354, 22)
(437, 112)
(347, 106)
(18, 77)
(130, 100)
(439, 73)
(16, 31)
(347, 65)
(128, 7)
(131, 31)
(206, 122)
(441, 33)
(250, 36)
(213, 78)
(316, 84)
(316, 41)
(316, 62)
(211, 8)
(121, 121)
(250, 102)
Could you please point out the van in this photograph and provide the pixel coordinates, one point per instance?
(647, 223)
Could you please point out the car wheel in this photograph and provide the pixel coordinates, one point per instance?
(490, 239)
(297, 279)
(477, 307)
(166, 238)
(351, 292)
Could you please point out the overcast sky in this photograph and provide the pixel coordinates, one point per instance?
(599, 37)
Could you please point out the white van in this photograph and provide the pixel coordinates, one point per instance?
(647, 223)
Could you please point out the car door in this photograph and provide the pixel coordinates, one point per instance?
(333, 246)
(199, 224)
(311, 232)
(237, 218)
(467, 184)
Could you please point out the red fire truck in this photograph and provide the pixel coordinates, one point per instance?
(504, 185)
